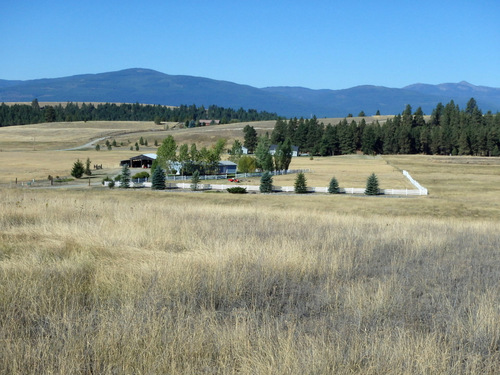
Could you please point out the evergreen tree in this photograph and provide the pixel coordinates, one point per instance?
(195, 180)
(250, 138)
(78, 169)
(264, 158)
(125, 177)
(372, 185)
(88, 172)
(333, 187)
(300, 184)
(266, 183)
(158, 178)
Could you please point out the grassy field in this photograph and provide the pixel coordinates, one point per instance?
(94, 280)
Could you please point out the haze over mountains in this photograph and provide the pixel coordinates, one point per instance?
(152, 87)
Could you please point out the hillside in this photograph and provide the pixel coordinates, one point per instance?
(152, 87)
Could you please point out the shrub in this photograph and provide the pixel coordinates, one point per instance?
(300, 184)
(333, 188)
(237, 190)
(106, 179)
(372, 185)
(142, 174)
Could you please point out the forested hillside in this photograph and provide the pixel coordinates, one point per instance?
(22, 114)
(450, 130)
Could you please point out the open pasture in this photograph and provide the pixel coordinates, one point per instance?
(140, 281)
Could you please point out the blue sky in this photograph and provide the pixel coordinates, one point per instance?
(315, 44)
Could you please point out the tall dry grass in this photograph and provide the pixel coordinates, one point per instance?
(115, 282)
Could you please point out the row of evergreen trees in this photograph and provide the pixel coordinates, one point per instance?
(449, 130)
(22, 114)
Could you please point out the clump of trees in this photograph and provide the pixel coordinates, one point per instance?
(21, 114)
(449, 131)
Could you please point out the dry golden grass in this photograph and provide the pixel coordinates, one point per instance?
(102, 281)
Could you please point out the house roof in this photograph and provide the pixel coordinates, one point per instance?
(144, 157)
(275, 147)
(227, 163)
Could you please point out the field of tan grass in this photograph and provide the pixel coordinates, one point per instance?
(111, 281)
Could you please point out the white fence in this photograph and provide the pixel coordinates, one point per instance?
(420, 189)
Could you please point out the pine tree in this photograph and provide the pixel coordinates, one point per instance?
(195, 179)
(372, 185)
(125, 177)
(333, 188)
(266, 183)
(78, 169)
(300, 184)
(158, 182)
(88, 172)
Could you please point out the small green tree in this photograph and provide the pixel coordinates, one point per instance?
(97, 147)
(333, 187)
(372, 185)
(246, 164)
(78, 169)
(88, 172)
(195, 180)
(125, 177)
(158, 182)
(266, 183)
(300, 184)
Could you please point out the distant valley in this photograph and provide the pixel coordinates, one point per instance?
(152, 87)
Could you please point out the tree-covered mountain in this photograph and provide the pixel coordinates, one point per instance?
(152, 87)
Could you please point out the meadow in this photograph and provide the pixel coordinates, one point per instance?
(94, 280)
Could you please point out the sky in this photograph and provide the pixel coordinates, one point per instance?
(315, 44)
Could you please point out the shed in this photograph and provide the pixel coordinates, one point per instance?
(139, 161)
(227, 167)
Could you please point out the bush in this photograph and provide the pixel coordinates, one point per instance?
(333, 188)
(237, 190)
(143, 174)
(372, 185)
(106, 179)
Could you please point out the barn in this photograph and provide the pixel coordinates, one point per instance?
(140, 161)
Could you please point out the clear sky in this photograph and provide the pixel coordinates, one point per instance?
(316, 44)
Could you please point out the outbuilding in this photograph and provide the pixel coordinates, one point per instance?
(140, 161)
(227, 167)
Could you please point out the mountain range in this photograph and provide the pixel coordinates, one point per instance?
(152, 87)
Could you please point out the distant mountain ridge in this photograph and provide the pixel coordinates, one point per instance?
(152, 87)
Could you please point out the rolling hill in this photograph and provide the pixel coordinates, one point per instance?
(152, 87)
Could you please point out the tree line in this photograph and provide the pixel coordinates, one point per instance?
(22, 114)
(449, 131)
